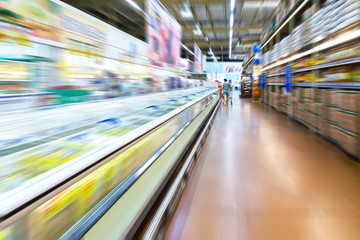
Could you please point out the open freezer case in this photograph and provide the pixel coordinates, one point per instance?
(58, 163)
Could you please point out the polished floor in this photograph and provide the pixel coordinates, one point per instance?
(261, 176)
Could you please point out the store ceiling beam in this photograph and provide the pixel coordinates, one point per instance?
(220, 52)
(188, 29)
(201, 27)
(168, 2)
(211, 21)
(258, 13)
(217, 43)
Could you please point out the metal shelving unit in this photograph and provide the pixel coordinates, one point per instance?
(321, 85)
(276, 84)
(329, 65)
(276, 74)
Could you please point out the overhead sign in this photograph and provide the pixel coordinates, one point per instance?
(163, 34)
(198, 59)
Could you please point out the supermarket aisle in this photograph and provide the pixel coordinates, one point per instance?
(261, 176)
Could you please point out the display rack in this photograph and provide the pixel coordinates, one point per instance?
(320, 89)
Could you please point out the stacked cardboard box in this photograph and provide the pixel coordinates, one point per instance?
(265, 95)
(331, 117)
(348, 121)
(316, 117)
(291, 105)
(283, 99)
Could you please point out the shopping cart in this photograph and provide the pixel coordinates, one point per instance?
(231, 96)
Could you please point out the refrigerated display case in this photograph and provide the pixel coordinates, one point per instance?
(58, 163)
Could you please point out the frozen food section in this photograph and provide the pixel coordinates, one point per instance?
(64, 168)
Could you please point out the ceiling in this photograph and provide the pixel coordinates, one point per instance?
(211, 17)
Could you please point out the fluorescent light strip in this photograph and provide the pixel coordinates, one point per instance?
(232, 5)
(213, 56)
(340, 39)
(287, 20)
(231, 24)
(230, 50)
(187, 49)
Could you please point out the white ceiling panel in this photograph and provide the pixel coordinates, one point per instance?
(220, 23)
(200, 12)
(222, 35)
(252, 4)
(249, 14)
(217, 11)
(271, 4)
(210, 34)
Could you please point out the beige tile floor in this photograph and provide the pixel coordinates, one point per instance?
(261, 176)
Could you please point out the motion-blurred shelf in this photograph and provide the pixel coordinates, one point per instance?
(275, 74)
(329, 65)
(276, 84)
(335, 39)
(321, 85)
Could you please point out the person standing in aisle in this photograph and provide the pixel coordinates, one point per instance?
(226, 88)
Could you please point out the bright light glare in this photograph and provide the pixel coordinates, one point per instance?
(232, 5)
(231, 24)
(132, 3)
(230, 48)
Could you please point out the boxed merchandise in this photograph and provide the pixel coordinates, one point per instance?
(297, 92)
(331, 97)
(283, 103)
(348, 141)
(349, 100)
(291, 109)
(320, 96)
(332, 114)
(348, 120)
(309, 95)
(331, 130)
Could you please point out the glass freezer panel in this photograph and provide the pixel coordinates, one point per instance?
(29, 148)
(54, 217)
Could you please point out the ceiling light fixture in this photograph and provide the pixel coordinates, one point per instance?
(187, 49)
(186, 12)
(232, 5)
(231, 21)
(212, 54)
(231, 24)
(134, 5)
(197, 31)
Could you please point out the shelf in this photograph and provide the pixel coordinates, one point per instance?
(276, 74)
(321, 85)
(328, 65)
(296, 9)
(276, 84)
(13, 80)
(330, 41)
(329, 85)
